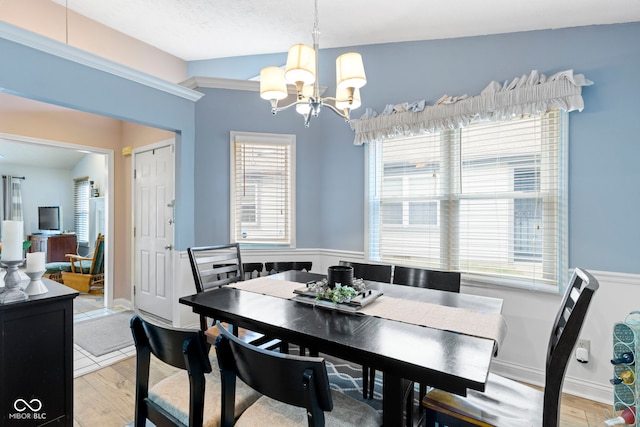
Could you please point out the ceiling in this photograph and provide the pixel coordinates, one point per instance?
(26, 154)
(205, 29)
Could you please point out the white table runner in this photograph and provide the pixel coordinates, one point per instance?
(461, 320)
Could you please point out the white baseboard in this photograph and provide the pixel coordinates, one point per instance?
(575, 386)
(122, 302)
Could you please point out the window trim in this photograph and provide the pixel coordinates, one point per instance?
(478, 279)
(81, 183)
(264, 138)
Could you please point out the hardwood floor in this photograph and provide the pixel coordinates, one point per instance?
(106, 398)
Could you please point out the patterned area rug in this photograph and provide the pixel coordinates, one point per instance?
(347, 379)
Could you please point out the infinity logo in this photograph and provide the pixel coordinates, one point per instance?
(21, 405)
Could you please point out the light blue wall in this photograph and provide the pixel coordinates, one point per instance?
(221, 111)
(43, 186)
(35, 74)
(604, 198)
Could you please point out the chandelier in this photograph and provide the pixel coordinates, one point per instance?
(301, 70)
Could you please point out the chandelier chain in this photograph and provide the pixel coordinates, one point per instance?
(315, 19)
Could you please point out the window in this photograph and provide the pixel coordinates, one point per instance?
(262, 189)
(487, 200)
(81, 209)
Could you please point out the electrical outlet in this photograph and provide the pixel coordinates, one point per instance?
(586, 344)
(582, 351)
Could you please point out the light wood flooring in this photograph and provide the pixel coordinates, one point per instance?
(106, 398)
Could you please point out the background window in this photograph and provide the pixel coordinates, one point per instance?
(487, 200)
(262, 189)
(81, 209)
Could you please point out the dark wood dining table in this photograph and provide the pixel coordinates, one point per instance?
(446, 360)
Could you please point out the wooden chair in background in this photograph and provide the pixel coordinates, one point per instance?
(80, 278)
(507, 403)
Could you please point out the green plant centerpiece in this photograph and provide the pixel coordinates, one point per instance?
(338, 294)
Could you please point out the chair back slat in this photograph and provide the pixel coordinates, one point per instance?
(373, 272)
(564, 336)
(215, 266)
(430, 279)
(295, 380)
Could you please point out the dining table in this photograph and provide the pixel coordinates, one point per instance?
(404, 351)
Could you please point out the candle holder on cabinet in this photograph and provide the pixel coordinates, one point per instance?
(35, 286)
(11, 291)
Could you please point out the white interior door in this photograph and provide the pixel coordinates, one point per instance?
(153, 232)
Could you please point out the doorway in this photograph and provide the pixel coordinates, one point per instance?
(49, 168)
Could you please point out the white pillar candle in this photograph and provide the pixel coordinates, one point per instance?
(35, 262)
(12, 236)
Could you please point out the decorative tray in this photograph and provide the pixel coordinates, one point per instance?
(312, 294)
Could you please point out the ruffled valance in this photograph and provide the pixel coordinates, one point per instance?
(530, 94)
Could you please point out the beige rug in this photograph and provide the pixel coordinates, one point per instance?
(104, 334)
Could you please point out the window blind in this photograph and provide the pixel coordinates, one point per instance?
(262, 189)
(81, 209)
(487, 199)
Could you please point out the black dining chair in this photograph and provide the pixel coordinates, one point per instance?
(278, 266)
(507, 403)
(252, 269)
(302, 265)
(373, 272)
(430, 279)
(216, 266)
(190, 397)
(295, 389)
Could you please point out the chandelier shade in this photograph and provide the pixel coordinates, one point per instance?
(301, 65)
(301, 70)
(272, 83)
(350, 71)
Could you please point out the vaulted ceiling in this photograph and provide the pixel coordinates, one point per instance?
(204, 29)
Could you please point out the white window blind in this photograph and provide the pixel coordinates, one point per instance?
(262, 189)
(488, 199)
(81, 209)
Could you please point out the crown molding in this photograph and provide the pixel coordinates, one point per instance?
(64, 51)
(221, 83)
(233, 84)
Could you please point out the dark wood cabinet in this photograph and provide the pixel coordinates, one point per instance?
(36, 359)
(55, 246)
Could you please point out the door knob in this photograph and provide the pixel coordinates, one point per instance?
(169, 247)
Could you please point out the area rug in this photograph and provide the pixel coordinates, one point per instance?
(104, 334)
(347, 378)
